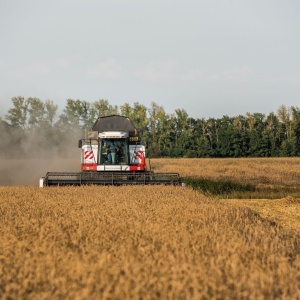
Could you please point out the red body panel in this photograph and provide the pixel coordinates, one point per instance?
(89, 167)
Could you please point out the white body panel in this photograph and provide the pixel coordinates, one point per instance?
(113, 134)
(136, 152)
(89, 155)
(113, 168)
(41, 182)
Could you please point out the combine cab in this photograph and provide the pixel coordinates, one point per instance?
(111, 154)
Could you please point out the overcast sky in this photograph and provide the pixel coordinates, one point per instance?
(209, 57)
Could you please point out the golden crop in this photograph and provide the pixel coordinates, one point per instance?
(285, 212)
(140, 242)
(261, 172)
(257, 171)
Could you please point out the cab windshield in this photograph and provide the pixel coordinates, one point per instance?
(113, 151)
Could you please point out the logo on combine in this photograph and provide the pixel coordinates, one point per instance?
(89, 155)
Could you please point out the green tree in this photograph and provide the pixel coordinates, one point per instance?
(16, 127)
(295, 135)
(226, 137)
(77, 114)
(181, 123)
(36, 111)
(138, 115)
(204, 149)
(126, 110)
(8, 139)
(232, 138)
(259, 143)
(272, 130)
(140, 119)
(157, 123)
(202, 142)
(286, 148)
(18, 114)
(241, 139)
(50, 112)
(103, 108)
(192, 134)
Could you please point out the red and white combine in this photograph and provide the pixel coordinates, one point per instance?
(111, 154)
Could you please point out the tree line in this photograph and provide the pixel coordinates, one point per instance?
(35, 126)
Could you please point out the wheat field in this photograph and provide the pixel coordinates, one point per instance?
(256, 171)
(260, 172)
(140, 242)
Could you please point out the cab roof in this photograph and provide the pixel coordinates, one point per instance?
(113, 123)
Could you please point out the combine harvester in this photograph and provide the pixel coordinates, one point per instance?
(111, 154)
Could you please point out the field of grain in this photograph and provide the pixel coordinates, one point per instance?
(260, 172)
(284, 212)
(143, 242)
(256, 171)
(140, 242)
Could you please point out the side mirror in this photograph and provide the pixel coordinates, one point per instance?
(79, 143)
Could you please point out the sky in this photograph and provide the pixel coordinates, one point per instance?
(209, 57)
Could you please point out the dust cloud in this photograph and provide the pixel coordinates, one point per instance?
(28, 172)
(26, 163)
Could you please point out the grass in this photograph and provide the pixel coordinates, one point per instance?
(214, 187)
(234, 190)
